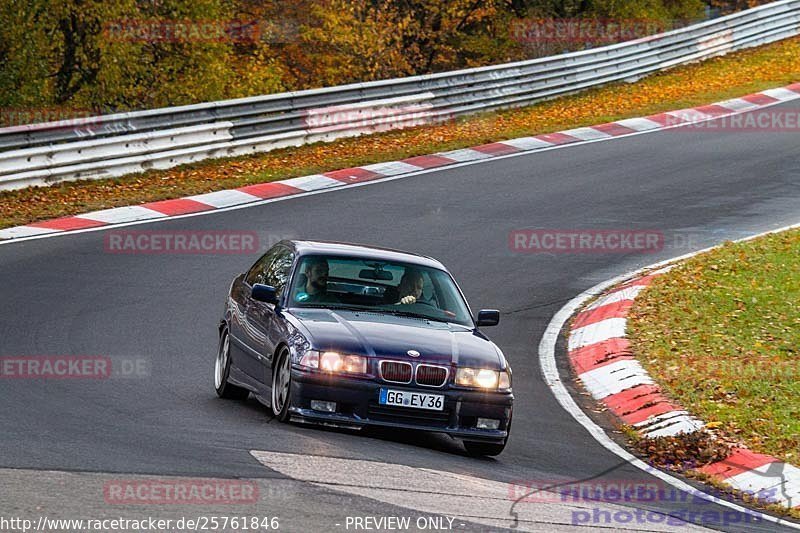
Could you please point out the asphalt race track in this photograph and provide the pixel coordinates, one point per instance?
(68, 296)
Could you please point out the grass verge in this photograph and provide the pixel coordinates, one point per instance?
(713, 80)
(721, 334)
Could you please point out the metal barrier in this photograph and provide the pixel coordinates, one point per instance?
(114, 145)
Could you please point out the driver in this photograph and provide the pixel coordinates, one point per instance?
(315, 288)
(410, 288)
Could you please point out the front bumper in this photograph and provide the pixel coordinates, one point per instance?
(357, 406)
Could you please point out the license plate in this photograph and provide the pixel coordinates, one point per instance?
(417, 400)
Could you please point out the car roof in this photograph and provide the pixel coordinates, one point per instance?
(345, 249)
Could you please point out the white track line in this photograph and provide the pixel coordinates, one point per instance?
(528, 143)
(131, 213)
(628, 293)
(782, 488)
(610, 328)
(615, 378)
(391, 168)
(547, 360)
(640, 124)
(586, 134)
(465, 155)
(738, 104)
(310, 183)
(224, 198)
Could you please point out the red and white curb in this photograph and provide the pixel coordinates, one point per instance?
(340, 178)
(599, 353)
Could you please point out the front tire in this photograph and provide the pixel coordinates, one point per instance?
(282, 386)
(222, 370)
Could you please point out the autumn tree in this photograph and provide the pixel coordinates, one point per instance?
(133, 54)
(730, 6)
(353, 40)
(128, 54)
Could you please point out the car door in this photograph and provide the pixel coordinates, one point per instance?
(242, 343)
(243, 336)
(261, 316)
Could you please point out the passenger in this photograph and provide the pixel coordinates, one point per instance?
(410, 288)
(314, 288)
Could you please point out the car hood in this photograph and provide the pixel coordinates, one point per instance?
(381, 335)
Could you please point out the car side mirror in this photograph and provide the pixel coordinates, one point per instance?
(488, 317)
(264, 293)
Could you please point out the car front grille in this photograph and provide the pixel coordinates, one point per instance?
(396, 371)
(431, 376)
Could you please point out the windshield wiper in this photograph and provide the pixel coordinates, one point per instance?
(368, 309)
(335, 306)
(409, 314)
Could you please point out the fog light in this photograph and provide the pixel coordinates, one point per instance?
(488, 423)
(325, 407)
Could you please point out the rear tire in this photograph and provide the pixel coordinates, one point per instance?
(282, 386)
(222, 370)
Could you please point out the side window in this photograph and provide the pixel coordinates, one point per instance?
(257, 271)
(277, 272)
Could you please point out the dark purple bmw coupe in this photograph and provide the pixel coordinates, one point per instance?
(347, 335)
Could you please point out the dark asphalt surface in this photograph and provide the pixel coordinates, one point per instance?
(67, 296)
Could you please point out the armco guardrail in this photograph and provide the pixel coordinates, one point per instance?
(114, 145)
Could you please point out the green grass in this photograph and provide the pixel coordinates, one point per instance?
(721, 334)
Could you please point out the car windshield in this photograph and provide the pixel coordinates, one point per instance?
(386, 287)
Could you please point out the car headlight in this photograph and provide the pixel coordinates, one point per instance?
(334, 362)
(483, 378)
